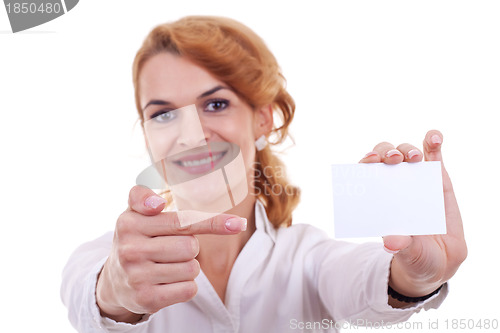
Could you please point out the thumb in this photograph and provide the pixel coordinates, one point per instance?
(394, 244)
(144, 201)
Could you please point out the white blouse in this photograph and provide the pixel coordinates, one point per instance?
(292, 279)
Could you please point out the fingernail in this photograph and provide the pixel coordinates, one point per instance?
(154, 201)
(372, 153)
(412, 153)
(392, 152)
(436, 139)
(390, 251)
(236, 224)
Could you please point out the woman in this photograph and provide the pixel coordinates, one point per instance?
(249, 269)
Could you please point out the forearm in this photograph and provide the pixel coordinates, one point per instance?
(78, 283)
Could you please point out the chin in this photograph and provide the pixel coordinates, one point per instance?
(208, 193)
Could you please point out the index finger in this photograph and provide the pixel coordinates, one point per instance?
(388, 153)
(432, 145)
(168, 223)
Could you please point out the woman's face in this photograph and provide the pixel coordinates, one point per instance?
(186, 110)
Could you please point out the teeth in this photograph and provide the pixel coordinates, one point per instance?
(201, 162)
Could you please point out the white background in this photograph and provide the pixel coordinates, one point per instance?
(361, 72)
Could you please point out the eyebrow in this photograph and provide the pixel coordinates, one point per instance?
(205, 94)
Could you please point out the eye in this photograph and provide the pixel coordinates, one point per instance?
(163, 116)
(216, 105)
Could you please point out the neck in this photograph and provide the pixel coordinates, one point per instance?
(218, 252)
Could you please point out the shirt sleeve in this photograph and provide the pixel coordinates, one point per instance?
(79, 279)
(352, 284)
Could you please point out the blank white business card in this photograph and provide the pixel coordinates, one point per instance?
(377, 199)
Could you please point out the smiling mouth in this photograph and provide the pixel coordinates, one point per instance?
(200, 163)
(196, 162)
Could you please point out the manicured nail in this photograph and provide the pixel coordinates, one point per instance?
(236, 224)
(392, 152)
(390, 251)
(154, 201)
(370, 154)
(436, 139)
(412, 153)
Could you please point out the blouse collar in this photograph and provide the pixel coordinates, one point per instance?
(262, 223)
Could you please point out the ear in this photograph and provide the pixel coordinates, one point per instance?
(263, 121)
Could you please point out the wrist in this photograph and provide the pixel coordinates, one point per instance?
(403, 298)
(106, 304)
(411, 286)
(118, 314)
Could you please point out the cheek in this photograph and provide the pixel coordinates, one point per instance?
(248, 153)
(238, 129)
(247, 146)
(160, 144)
(243, 138)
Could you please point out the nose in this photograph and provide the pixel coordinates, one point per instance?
(191, 133)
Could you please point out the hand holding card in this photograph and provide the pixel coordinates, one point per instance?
(422, 263)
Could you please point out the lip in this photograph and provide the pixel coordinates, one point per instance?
(199, 163)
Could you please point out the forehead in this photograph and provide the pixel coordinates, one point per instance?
(172, 77)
